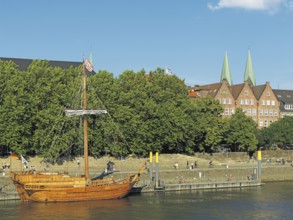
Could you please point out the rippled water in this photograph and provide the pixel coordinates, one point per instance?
(271, 201)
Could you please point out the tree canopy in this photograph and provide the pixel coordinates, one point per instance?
(146, 112)
(279, 134)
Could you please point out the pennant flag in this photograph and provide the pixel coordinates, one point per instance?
(88, 65)
(168, 71)
(23, 160)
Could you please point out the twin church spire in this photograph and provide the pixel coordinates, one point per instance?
(226, 75)
(248, 74)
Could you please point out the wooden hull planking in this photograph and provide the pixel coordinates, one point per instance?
(57, 188)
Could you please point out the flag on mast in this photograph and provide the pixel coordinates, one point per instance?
(88, 65)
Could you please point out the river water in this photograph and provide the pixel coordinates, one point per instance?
(271, 201)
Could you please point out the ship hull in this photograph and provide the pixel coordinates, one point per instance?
(57, 188)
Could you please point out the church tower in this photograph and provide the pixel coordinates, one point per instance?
(249, 74)
(226, 75)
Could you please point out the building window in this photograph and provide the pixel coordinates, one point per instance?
(275, 112)
(266, 112)
(260, 112)
(263, 102)
(260, 123)
(226, 111)
(254, 112)
(266, 123)
(273, 103)
(251, 101)
(246, 101)
(268, 94)
(246, 93)
(289, 106)
(224, 101)
(268, 102)
(249, 111)
(229, 101)
(241, 102)
(271, 112)
(271, 122)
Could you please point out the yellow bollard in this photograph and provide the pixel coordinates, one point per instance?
(259, 155)
(151, 168)
(259, 165)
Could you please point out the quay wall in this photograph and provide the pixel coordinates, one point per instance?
(229, 169)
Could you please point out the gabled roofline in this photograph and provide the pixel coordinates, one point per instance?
(237, 88)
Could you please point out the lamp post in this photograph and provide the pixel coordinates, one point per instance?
(227, 156)
(157, 169)
(288, 155)
(151, 168)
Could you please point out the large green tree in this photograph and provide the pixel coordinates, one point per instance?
(209, 127)
(32, 109)
(152, 112)
(241, 134)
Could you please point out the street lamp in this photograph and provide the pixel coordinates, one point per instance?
(288, 148)
(227, 156)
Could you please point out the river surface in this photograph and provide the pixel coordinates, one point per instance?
(271, 201)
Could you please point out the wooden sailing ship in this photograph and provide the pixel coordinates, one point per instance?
(56, 187)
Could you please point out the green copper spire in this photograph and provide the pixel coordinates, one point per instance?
(226, 75)
(249, 74)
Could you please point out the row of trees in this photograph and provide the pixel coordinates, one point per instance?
(147, 112)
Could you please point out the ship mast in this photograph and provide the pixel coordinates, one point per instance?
(85, 126)
(84, 112)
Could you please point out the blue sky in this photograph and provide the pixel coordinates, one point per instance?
(188, 36)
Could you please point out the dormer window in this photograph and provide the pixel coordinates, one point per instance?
(268, 93)
(289, 106)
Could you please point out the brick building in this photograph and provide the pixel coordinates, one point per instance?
(257, 101)
(285, 98)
